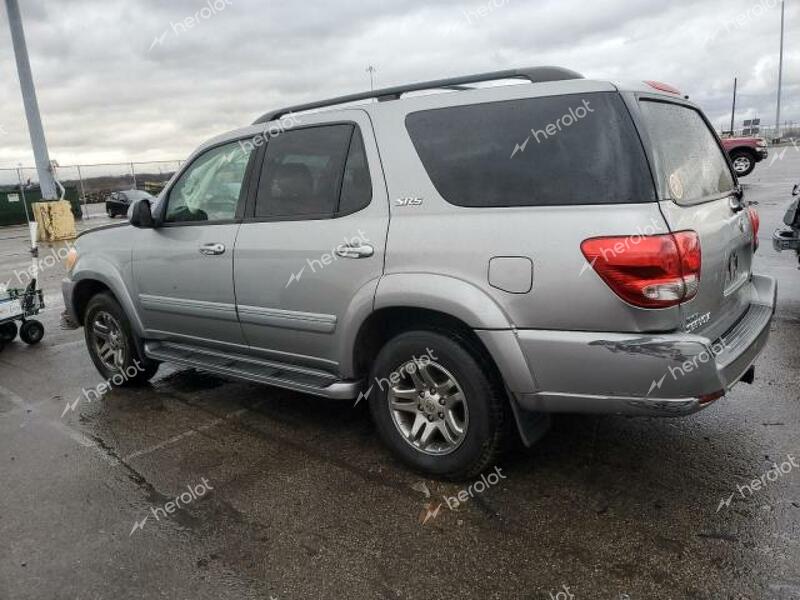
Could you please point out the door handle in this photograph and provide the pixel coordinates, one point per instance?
(212, 249)
(354, 250)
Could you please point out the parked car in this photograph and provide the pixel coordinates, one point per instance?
(119, 203)
(745, 152)
(465, 262)
(788, 237)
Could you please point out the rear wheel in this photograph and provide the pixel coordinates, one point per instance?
(8, 331)
(743, 162)
(31, 332)
(112, 345)
(435, 406)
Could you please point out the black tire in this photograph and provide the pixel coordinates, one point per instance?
(488, 426)
(31, 332)
(8, 332)
(134, 369)
(743, 162)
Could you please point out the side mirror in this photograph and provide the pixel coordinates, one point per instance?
(796, 190)
(141, 216)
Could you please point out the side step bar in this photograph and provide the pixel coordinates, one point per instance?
(309, 381)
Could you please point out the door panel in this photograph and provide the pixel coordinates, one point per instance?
(183, 269)
(299, 278)
(183, 293)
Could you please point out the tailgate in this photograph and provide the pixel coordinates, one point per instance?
(726, 242)
(698, 192)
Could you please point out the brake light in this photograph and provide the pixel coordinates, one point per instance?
(656, 271)
(755, 221)
(664, 87)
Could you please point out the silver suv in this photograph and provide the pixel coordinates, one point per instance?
(468, 255)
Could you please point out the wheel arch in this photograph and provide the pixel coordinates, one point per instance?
(743, 150)
(428, 299)
(89, 283)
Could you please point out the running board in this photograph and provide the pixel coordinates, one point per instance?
(300, 379)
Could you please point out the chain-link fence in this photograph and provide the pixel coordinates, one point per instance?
(95, 182)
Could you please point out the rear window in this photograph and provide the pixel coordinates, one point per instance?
(689, 164)
(575, 149)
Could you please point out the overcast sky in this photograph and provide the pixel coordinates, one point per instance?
(122, 80)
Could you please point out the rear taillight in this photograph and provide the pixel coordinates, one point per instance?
(656, 271)
(755, 221)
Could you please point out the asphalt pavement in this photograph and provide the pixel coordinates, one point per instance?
(200, 487)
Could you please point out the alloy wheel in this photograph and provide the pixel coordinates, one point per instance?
(109, 341)
(428, 407)
(741, 164)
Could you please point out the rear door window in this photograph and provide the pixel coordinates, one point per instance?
(302, 173)
(690, 166)
(559, 150)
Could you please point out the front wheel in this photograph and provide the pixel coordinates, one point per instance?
(112, 345)
(743, 163)
(436, 407)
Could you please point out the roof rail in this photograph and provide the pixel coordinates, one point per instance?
(532, 74)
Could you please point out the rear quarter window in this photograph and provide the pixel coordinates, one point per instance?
(559, 150)
(690, 166)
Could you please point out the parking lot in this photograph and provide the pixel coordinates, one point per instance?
(293, 497)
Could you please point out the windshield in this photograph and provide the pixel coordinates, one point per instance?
(690, 167)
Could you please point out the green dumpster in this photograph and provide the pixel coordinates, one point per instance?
(12, 209)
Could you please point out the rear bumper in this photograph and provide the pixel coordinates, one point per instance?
(649, 375)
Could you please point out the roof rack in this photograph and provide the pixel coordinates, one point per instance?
(532, 74)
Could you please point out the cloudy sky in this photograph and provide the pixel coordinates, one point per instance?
(126, 80)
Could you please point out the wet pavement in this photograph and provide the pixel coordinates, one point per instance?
(293, 497)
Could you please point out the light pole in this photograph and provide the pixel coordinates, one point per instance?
(780, 75)
(733, 109)
(371, 70)
(38, 142)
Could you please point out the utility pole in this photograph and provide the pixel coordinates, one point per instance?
(38, 142)
(733, 109)
(780, 75)
(371, 70)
